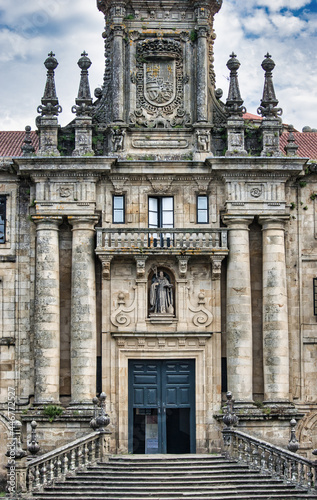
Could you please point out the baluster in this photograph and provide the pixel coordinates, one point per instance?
(286, 470)
(263, 460)
(158, 240)
(255, 457)
(184, 240)
(240, 450)
(37, 478)
(278, 466)
(85, 451)
(246, 452)
(89, 452)
(271, 463)
(217, 240)
(164, 239)
(191, 238)
(97, 448)
(78, 457)
(118, 240)
(64, 464)
(294, 472)
(43, 477)
(301, 476)
(224, 239)
(72, 465)
(112, 240)
(203, 241)
(310, 476)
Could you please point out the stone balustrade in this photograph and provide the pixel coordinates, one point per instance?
(170, 240)
(267, 458)
(65, 460)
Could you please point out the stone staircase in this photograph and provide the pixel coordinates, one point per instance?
(170, 477)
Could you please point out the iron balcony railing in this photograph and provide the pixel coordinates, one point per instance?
(162, 239)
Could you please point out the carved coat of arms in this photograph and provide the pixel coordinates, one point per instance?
(160, 82)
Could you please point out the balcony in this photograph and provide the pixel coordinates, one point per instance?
(169, 241)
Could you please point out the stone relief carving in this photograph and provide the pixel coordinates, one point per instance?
(65, 191)
(202, 317)
(161, 294)
(159, 84)
(140, 267)
(182, 265)
(118, 139)
(122, 316)
(203, 140)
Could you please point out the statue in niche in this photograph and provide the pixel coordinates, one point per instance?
(161, 294)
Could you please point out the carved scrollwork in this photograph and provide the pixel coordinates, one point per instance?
(121, 317)
(202, 317)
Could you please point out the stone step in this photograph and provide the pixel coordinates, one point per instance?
(170, 478)
(225, 495)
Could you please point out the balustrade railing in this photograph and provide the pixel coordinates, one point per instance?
(59, 463)
(161, 238)
(270, 459)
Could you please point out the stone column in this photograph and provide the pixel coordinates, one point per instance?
(239, 314)
(83, 311)
(202, 75)
(47, 311)
(118, 74)
(275, 315)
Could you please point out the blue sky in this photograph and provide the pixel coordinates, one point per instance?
(29, 29)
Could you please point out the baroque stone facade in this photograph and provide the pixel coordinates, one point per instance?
(157, 243)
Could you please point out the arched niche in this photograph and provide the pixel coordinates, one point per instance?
(161, 292)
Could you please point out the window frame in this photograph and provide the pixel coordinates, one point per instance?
(198, 210)
(3, 199)
(160, 212)
(114, 210)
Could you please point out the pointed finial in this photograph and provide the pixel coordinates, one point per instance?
(291, 147)
(269, 102)
(234, 101)
(50, 105)
(84, 100)
(27, 147)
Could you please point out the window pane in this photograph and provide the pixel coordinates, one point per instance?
(167, 203)
(167, 219)
(202, 202)
(118, 202)
(153, 204)
(153, 222)
(118, 216)
(202, 216)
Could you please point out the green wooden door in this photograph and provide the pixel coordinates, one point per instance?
(162, 406)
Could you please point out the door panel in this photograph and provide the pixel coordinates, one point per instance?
(162, 406)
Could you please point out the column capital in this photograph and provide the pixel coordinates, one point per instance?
(273, 221)
(83, 222)
(238, 221)
(47, 222)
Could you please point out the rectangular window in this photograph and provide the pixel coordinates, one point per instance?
(161, 211)
(202, 210)
(2, 219)
(118, 209)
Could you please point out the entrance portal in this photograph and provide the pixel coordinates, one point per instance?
(162, 406)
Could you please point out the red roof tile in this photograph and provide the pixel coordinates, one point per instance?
(306, 142)
(11, 142)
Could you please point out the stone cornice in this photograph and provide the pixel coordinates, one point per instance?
(64, 165)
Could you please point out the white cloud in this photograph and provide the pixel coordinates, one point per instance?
(276, 5)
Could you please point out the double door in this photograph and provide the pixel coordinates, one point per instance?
(162, 406)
